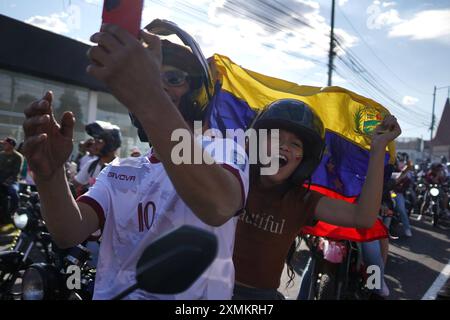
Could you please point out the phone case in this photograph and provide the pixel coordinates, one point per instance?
(124, 13)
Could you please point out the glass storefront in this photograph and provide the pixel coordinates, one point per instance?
(18, 90)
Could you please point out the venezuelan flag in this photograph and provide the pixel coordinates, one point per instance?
(348, 119)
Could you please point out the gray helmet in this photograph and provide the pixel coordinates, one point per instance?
(107, 132)
(192, 61)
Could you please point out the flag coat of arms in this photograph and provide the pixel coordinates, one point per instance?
(349, 118)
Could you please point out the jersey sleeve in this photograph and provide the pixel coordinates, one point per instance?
(98, 197)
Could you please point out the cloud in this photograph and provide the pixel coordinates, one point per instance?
(284, 39)
(290, 25)
(96, 2)
(409, 101)
(388, 4)
(154, 11)
(425, 25)
(342, 2)
(285, 15)
(54, 22)
(387, 18)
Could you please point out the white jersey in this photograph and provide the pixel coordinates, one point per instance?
(137, 202)
(84, 177)
(85, 159)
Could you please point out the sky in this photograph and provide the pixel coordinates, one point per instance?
(394, 52)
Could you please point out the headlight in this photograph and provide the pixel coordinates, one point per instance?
(33, 285)
(40, 282)
(416, 167)
(20, 220)
(434, 192)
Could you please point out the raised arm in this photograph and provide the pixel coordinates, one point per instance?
(47, 146)
(365, 212)
(132, 72)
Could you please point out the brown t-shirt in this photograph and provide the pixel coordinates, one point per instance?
(266, 231)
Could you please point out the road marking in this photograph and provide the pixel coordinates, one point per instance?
(438, 284)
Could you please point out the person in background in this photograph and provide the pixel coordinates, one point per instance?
(135, 152)
(403, 179)
(107, 139)
(86, 152)
(10, 166)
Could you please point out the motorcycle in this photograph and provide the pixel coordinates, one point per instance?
(45, 281)
(32, 234)
(421, 190)
(337, 270)
(432, 205)
(168, 265)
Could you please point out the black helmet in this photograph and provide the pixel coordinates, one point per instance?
(107, 132)
(190, 59)
(297, 117)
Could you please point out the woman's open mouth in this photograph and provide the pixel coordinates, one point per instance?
(282, 160)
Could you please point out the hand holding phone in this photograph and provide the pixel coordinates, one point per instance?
(124, 13)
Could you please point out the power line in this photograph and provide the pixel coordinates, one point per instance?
(238, 11)
(383, 87)
(374, 93)
(260, 16)
(377, 57)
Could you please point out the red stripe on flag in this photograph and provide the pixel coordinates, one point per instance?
(331, 193)
(322, 229)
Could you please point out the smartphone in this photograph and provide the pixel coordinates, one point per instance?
(124, 13)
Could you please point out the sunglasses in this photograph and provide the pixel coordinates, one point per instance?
(174, 78)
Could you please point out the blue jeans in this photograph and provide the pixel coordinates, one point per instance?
(400, 207)
(371, 252)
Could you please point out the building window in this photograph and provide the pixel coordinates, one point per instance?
(18, 90)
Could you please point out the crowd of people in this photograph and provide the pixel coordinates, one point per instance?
(160, 83)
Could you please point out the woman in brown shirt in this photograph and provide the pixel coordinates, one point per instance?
(278, 206)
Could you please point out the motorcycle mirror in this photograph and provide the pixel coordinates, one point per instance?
(172, 263)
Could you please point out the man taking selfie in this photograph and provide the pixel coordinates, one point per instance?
(135, 200)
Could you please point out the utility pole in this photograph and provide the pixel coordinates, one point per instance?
(432, 114)
(331, 53)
